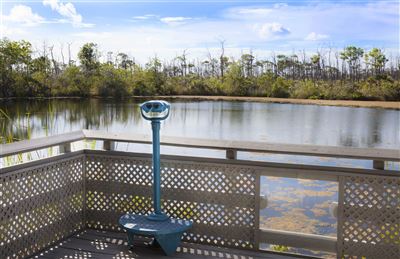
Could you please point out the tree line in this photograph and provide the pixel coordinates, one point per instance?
(351, 73)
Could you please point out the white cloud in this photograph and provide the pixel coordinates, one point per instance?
(144, 17)
(251, 11)
(68, 11)
(23, 14)
(271, 30)
(178, 20)
(316, 37)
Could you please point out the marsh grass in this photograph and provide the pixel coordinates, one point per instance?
(20, 125)
(16, 128)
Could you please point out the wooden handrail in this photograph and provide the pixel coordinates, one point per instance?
(39, 143)
(248, 146)
(375, 154)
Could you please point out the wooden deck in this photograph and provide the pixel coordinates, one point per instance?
(112, 245)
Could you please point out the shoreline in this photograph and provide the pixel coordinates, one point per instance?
(343, 103)
(394, 105)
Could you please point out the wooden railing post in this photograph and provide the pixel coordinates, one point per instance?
(257, 211)
(109, 145)
(378, 164)
(231, 154)
(65, 148)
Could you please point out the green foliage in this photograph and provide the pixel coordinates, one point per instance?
(147, 81)
(307, 90)
(15, 57)
(25, 74)
(351, 54)
(380, 88)
(88, 56)
(123, 61)
(280, 88)
(376, 59)
(113, 82)
(38, 84)
(315, 59)
(73, 82)
(235, 82)
(264, 83)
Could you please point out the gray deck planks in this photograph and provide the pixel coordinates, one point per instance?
(113, 245)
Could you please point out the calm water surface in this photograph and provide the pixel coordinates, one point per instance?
(263, 122)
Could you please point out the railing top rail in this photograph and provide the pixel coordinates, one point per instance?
(248, 146)
(245, 146)
(39, 143)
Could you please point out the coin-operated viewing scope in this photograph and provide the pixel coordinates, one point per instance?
(167, 232)
(156, 111)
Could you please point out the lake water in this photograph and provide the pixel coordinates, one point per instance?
(293, 204)
(263, 122)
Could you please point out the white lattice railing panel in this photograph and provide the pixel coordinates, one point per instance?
(369, 224)
(40, 205)
(45, 201)
(220, 199)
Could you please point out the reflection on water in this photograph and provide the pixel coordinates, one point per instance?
(299, 205)
(302, 206)
(265, 122)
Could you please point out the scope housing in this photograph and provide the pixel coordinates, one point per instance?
(155, 110)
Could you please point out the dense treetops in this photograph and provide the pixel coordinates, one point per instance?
(352, 73)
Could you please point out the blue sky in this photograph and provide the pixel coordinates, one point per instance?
(166, 28)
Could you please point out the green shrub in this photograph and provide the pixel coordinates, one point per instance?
(380, 88)
(280, 88)
(73, 82)
(214, 85)
(307, 90)
(113, 82)
(264, 84)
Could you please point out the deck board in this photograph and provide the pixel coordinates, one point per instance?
(113, 245)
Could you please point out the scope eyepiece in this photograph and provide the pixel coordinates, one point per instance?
(155, 110)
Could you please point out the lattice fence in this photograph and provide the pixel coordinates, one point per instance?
(220, 199)
(369, 217)
(40, 205)
(45, 201)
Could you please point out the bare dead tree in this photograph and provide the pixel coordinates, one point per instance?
(62, 54)
(337, 65)
(222, 59)
(69, 54)
(274, 63)
(55, 65)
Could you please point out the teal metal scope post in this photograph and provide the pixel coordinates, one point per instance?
(156, 111)
(166, 232)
